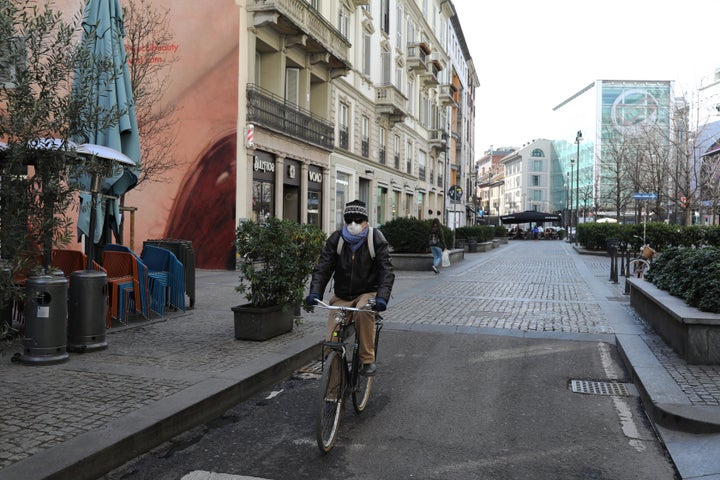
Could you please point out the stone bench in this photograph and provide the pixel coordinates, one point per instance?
(693, 334)
(422, 261)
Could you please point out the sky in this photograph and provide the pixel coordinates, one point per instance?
(530, 55)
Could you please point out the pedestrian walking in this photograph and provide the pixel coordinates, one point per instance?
(436, 241)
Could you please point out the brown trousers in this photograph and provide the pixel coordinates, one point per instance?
(364, 325)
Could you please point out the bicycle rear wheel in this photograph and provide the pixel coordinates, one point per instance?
(330, 402)
(639, 267)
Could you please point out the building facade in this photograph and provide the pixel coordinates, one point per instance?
(354, 99)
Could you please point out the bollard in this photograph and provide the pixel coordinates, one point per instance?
(45, 338)
(87, 307)
(612, 250)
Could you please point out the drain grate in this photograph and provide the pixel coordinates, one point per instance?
(590, 387)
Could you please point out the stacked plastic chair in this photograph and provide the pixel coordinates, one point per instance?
(167, 277)
(71, 261)
(140, 284)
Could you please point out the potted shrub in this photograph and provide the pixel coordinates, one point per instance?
(278, 256)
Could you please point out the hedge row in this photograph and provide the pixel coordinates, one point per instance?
(692, 274)
(410, 235)
(659, 235)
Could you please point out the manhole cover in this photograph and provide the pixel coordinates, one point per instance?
(590, 387)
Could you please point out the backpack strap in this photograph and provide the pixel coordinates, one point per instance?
(371, 243)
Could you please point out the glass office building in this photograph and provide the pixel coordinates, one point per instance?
(607, 113)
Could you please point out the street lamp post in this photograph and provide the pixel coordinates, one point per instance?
(572, 176)
(578, 139)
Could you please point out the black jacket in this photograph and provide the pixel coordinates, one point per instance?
(355, 273)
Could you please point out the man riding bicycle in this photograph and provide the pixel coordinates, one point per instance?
(362, 270)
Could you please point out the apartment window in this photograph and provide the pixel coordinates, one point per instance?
(408, 157)
(396, 151)
(385, 15)
(424, 104)
(365, 136)
(342, 196)
(411, 96)
(440, 173)
(292, 86)
(344, 134)
(367, 53)
(386, 68)
(535, 180)
(343, 22)
(315, 4)
(399, 25)
(537, 153)
(536, 195)
(421, 165)
(381, 155)
(537, 165)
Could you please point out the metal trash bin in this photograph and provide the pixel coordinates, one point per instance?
(87, 308)
(184, 252)
(45, 338)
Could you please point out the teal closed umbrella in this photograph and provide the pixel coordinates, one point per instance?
(103, 36)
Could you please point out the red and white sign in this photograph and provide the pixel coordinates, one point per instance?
(250, 136)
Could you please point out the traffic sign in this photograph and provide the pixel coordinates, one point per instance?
(645, 196)
(455, 192)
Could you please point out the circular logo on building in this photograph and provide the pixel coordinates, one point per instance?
(634, 111)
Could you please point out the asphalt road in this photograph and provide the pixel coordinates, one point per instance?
(444, 406)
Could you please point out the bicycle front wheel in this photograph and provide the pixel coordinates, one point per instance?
(330, 401)
(363, 387)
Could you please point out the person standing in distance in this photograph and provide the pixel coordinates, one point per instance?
(436, 241)
(359, 276)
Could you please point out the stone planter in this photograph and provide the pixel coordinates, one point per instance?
(472, 245)
(485, 246)
(501, 240)
(260, 324)
(422, 261)
(693, 334)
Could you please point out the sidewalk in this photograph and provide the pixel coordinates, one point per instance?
(156, 379)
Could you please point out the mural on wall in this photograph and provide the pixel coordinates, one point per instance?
(195, 199)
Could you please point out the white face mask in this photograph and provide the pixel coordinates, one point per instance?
(354, 228)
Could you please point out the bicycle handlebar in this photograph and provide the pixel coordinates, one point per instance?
(322, 304)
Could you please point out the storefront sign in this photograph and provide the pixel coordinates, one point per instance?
(263, 165)
(315, 176)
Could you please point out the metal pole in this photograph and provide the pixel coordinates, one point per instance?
(578, 137)
(572, 175)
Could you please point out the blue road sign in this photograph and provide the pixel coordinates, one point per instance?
(645, 196)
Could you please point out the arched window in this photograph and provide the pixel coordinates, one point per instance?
(538, 153)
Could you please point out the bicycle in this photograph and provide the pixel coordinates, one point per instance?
(340, 374)
(639, 266)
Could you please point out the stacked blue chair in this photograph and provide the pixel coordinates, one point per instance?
(143, 278)
(166, 273)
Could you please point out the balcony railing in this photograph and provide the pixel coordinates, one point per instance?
(298, 17)
(273, 112)
(446, 95)
(365, 147)
(397, 162)
(381, 156)
(391, 102)
(416, 58)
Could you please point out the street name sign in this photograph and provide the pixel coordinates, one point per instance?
(645, 196)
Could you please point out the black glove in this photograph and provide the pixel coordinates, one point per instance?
(312, 299)
(380, 305)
